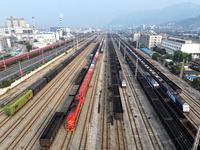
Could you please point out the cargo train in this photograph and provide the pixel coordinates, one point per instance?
(12, 107)
(76, 107)
(151, 80)
(162, 80)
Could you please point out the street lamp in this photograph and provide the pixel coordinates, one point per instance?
(20, 69)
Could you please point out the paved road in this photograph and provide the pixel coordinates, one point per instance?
(28, 65)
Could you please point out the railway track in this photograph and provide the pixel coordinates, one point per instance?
(79, 138)
(194, 114)
(105, 111)
(133, 123)
(32, 121)
(82, 133)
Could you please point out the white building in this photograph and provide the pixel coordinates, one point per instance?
(136, 36)
(46, 37)
(4, 43)
(150, 40)
(172, 44)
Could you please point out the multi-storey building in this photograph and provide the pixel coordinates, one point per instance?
(150, 40)
(172, 44)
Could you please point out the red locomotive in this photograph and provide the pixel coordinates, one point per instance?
(80, 97)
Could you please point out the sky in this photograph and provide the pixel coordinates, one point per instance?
(77, 13)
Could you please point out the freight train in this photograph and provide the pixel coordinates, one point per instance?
(19, 101)
(151, 80)
(169, 87)
(76, 107)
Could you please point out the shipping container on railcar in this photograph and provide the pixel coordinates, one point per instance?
(18, 102)
(122, 79)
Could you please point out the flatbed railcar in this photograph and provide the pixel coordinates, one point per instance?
(51, 130)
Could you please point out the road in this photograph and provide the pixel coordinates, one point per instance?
(28, 65)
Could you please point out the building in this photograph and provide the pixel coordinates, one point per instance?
(15, 22)
(46, 37)
(172, 44)
(150, 40)
(136, 36)
(4, 43)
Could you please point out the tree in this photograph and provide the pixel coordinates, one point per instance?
(168, 56)
(179, 56)
(176, 69)
(156, 56)
(196, 81)
(6, 83)
(28, 46)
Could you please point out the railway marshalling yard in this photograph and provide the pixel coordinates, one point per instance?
(139, 128)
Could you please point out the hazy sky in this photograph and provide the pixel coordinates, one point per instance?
(77, 13)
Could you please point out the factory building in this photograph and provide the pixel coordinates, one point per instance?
(150, 40)
(172, 44)
(15, 22)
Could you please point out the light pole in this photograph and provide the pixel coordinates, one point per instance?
(43, 57)
(20, 69)
(4, 63)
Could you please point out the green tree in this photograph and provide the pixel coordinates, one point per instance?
(168, 56)
(179, 56)
(176, 69)
(166, 64)
(28, 47)
(156, 56)
(196, 81)
(5, 83)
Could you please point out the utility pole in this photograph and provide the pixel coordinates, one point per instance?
(136, 68)
(181, 74)
(74, 43)
(124, 53)
(119, 45)
(20, 69)
(196, 141)
(77, 43)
